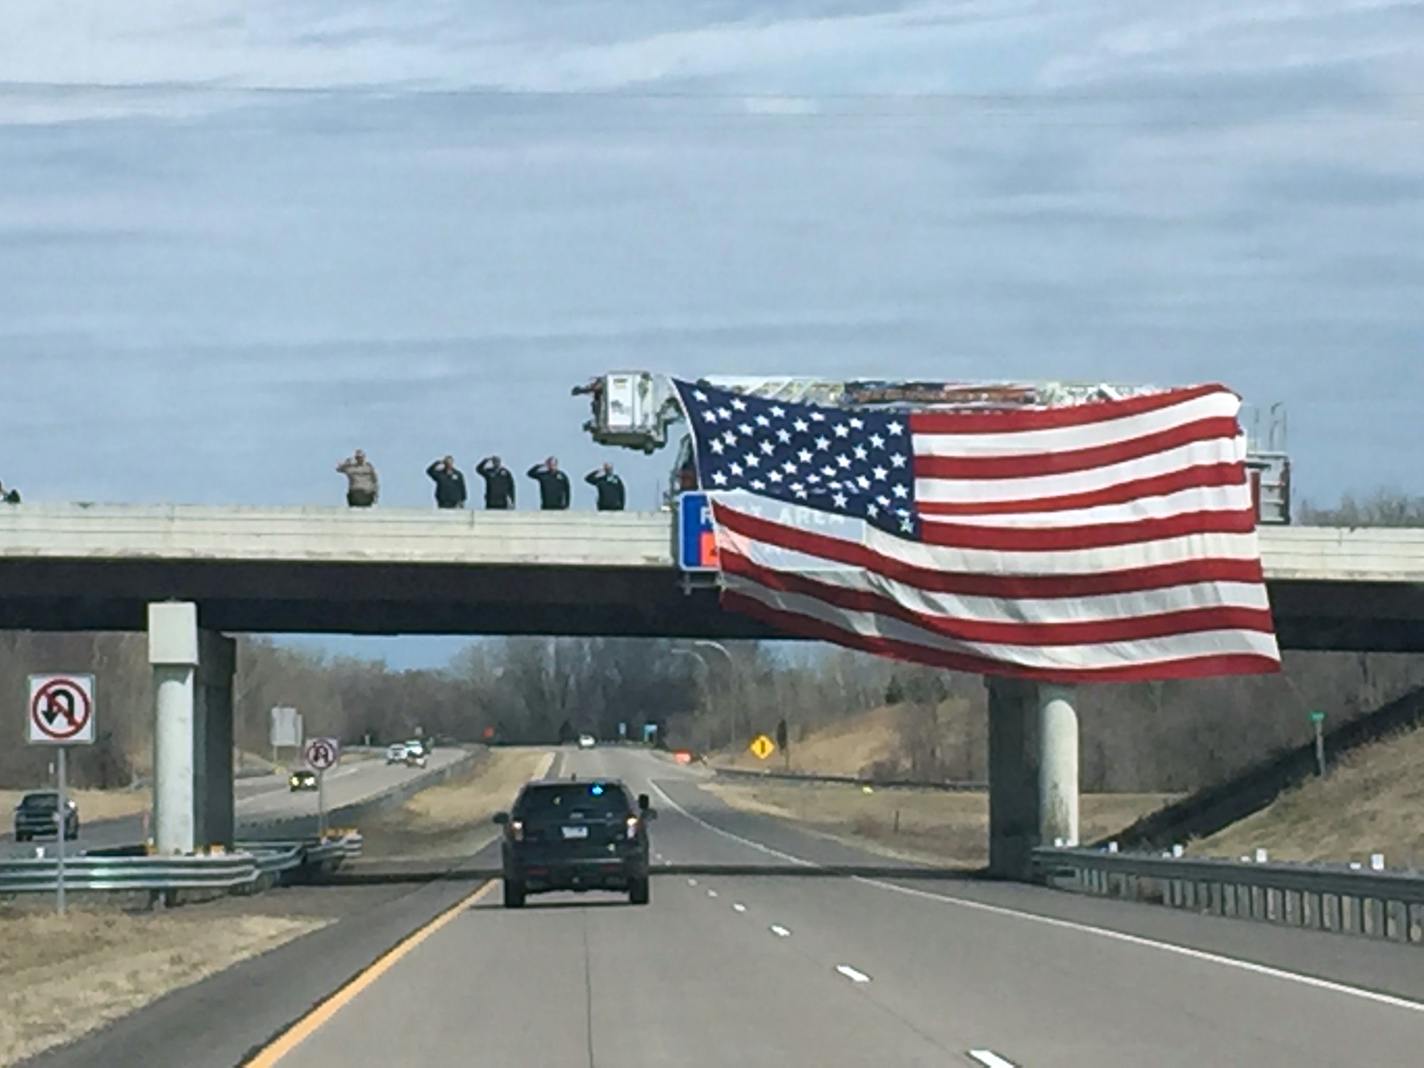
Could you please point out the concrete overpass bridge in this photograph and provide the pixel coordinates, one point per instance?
(188, 573)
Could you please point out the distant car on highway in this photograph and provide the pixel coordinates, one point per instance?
(415, 759)
(586, 741)
(588, 835)
(35, 816)
(302, 779)
(417, 746)
(396, 753)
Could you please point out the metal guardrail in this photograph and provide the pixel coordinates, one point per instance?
(1360, 901)
(238, 870)
(851, 780)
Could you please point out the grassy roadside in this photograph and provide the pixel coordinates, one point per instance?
(933, 826)
(61, 977)
(1370, 802)
(94, 805)
(454, 817)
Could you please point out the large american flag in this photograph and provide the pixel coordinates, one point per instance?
(1112, 540)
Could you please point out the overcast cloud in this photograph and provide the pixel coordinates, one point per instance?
(238, 239)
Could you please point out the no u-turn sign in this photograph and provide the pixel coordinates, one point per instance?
(61, 709)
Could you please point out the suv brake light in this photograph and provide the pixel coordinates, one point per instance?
(631, 824)
(516, 830)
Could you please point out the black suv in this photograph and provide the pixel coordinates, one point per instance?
(575, 836)
(35, 816)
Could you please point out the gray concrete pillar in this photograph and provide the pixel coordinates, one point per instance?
(1013, 784)
(1033, 772)
(192, 731)
(1057, 766)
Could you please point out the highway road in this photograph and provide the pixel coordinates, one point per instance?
(792, 967)
(259, 801)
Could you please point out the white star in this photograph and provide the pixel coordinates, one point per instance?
(774, 476)
(730, 437)
(762, 420)
(872, 510)
(697, 394)
(777, 410)
(839, 500)
(716, 446)
(796, 487)
(757, 484)
(841, 430)
(859, 424)
(789, 467)
(902, 511)
(828, 471)
(843, 460)
(801, 493)
(895, 428)
(907, 525)
(863, 482)
(801, 426)
(823, 443)
(818, 417)
(752, 459)
(739, 404)
(805, 456)
(724, 413)
(899, 490)
(719, 478)
(883, 500)
(735, 468)
(767, 448)
(709, 416)
(879, 472)
(898, 460)
(860, 453)
(784, 436)
(746, 428)
(813, 478)
(876, 441)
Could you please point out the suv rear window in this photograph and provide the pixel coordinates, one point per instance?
(583, 801)
(40, 802)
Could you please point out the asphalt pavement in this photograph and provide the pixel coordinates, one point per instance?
(259, 801)
(795, 967)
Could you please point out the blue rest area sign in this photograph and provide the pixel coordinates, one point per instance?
(696, 539)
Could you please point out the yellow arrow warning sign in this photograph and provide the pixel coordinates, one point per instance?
(762, 747)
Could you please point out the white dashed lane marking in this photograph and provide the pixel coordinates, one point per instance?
(739, 907)
(779, 931)
(852, 974)
(990, 1059)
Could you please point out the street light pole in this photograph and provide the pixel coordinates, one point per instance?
(708, 643)
(706, 674)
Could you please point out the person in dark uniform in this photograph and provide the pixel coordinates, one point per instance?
(449, 483)
(553, 485)
(10, 496)
(499, 483)
(610, 488)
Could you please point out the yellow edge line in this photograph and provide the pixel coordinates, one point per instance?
(309, 1024)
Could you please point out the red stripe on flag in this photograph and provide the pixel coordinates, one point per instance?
(1133, 628)
(1090, 536)
(1200, 476)
(1132, 580)
(1067, 461)
(1000, 421)
(1186, 668)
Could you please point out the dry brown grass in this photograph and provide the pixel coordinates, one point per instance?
(454, 817)
(935, 826)
(1371, 802)
(846, 747)
(109, 963)
(94, 805)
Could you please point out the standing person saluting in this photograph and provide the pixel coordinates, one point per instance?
(449, 483)
(610, 488)
(553, 485)
(363, 487)
(499, 483)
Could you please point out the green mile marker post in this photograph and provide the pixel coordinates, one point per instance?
(1317, 718)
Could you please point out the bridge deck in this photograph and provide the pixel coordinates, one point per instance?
(80, 566)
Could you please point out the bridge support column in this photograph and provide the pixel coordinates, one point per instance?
(192, 730)
(1033, 772)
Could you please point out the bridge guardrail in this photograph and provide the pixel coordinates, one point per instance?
(1339, 898)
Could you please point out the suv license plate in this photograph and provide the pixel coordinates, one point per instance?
(575, 832)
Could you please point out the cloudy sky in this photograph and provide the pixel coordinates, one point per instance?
(239, 238)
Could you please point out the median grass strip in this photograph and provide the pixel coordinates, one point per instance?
(63, 976)
(453, 817)
(931, 826)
